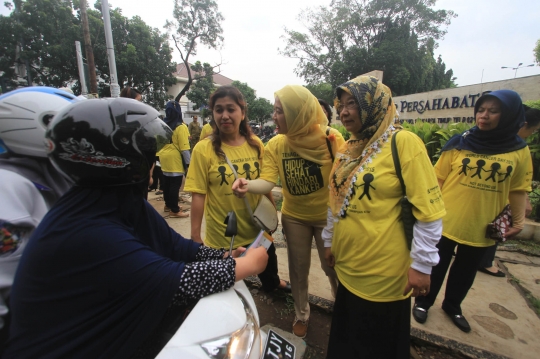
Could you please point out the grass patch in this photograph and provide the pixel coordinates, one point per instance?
(289, 306)
(524, 246)
(534, 301)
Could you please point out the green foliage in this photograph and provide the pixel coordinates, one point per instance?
(533, 141)
(351, 37)
(435, 136)
(200, 91)
(143, 56)
(533, 104)
(346, 135)
(49, 29)
(45, 32)
(258, 109)
(323, 91)
(196, 21)
(248, 92)
(534, 199)
(279, 203)
(536, 52)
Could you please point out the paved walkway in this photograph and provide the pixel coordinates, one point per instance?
(503, 325)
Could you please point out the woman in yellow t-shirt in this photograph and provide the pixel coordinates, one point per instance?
(531, 126)
(208, 129)
(479, 172)
(365, 236)
(301, 155)
(210, 178)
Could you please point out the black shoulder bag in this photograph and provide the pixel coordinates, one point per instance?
(407, 216)
(328, 144)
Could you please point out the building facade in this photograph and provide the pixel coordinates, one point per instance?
(182, 78)
(457, 104)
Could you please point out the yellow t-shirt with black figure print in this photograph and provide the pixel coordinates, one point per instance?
(170, 156)
(304, 183)
(369, 245)
(210, 175)
(476, 189)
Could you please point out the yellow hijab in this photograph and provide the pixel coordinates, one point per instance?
(377, 113)
(304, 118)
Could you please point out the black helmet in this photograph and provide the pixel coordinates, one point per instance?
(106, 142)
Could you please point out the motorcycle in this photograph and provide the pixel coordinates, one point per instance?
(223, 325)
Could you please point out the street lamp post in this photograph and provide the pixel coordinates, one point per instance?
(516, 68)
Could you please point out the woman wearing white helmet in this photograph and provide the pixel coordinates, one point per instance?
(30, 184)
(103, 267)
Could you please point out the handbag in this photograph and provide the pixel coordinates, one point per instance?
(407, 216)
(496, 230)
(265, 214)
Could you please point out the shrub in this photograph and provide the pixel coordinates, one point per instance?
(346, 135)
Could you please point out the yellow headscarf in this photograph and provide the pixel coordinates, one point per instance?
(304, 118)
(377, 113)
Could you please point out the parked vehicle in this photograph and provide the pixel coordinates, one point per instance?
(221, 326)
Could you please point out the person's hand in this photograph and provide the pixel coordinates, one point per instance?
(240, 187)
(150, 181)
(258, 258)
(417, 281)
(511, 232)
(329, 257)
(236, 252)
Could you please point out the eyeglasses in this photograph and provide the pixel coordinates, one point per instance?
(350, 105)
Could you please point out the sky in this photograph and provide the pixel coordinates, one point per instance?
(486, 35)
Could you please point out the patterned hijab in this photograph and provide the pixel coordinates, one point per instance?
(304, 118)
(504, 137)
(377, 113)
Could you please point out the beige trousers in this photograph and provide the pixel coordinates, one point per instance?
(299, 235)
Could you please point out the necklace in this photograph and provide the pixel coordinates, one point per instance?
(368, 155)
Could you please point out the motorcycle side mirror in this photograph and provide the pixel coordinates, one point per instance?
(231, 229)
(230, 221)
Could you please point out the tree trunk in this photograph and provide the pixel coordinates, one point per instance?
(89, 50)
(184, 90)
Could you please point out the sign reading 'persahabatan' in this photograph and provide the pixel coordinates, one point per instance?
(457, 104)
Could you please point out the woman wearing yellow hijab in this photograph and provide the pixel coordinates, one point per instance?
(376, 271)
(301, 155)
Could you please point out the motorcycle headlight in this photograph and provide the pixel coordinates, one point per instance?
(240, 343)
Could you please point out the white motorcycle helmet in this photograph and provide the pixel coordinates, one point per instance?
(24, 116)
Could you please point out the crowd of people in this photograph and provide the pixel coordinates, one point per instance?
(71, 290)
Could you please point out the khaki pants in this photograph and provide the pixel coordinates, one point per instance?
(299, 235)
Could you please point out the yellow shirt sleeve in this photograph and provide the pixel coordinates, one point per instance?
(181, 137)
(271, 154)
(197, 178)
(422, 190)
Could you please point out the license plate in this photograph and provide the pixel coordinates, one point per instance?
(277, 347)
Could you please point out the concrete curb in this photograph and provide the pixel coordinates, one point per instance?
(416, 334)
(453, 345)
(322, 303)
